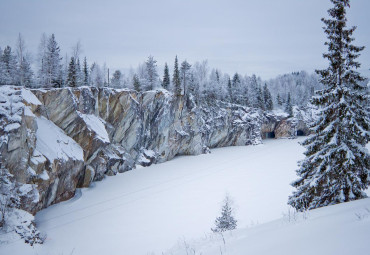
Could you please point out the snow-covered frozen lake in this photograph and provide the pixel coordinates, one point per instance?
(149, 209)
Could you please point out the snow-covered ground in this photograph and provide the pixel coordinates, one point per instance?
(148, 210)
(342, 229)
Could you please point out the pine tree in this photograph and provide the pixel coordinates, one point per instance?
(176, 79)
(226, 221)
(288, 106)
(72, 73)
(85, 73)
(53, 63)
(166, 77)
(136, 83)
(267, 98)
(337, 164)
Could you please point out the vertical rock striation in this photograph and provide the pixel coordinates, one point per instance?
(57, 140)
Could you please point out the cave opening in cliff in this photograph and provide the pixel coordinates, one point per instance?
(269, 135)
(300, 133)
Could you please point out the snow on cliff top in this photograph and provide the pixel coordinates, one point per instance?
(53, 143)
(29, 97)
(95, 124)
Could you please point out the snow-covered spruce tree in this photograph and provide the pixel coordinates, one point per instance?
(9, 67)
(267, 98)
(226, 221)
(79, 74)
(236, 89)
(337, 164)
(85, 73)
(136, 83)
(72, 73)
(53, 64)
(259, 99)
(229, 90)
(151, 73)
(166, 77)
(176, 79)
(289, 106)
(278, 100)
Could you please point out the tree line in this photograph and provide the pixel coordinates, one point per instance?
(52, 70)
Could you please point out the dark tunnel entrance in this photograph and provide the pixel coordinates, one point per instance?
(300, 133)
(269, 135)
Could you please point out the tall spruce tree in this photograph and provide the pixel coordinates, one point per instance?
(269, 105)
(9, 66)
(288, 105)
(236, 88)
(151, 74)
(136, 83)
(79, 74)
(85, 73)
(166, 77)
(53, 63)
(229, 90)
(278, 100)
(72, 73)
(176, 78)
(259, 99)
(337, 164)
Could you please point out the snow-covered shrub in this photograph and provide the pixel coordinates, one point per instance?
(226, 221)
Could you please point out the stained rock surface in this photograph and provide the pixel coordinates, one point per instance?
(54, 141)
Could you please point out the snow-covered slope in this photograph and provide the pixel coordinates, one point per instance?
(150, 209)
(342, 229)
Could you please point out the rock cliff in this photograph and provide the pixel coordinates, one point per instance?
(54, 141)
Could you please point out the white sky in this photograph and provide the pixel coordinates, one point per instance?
(266, 37)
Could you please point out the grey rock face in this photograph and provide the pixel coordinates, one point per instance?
(95, 132)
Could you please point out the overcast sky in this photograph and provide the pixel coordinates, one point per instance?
(266, 37)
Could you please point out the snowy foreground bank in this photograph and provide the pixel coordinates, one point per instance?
(149, 210)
